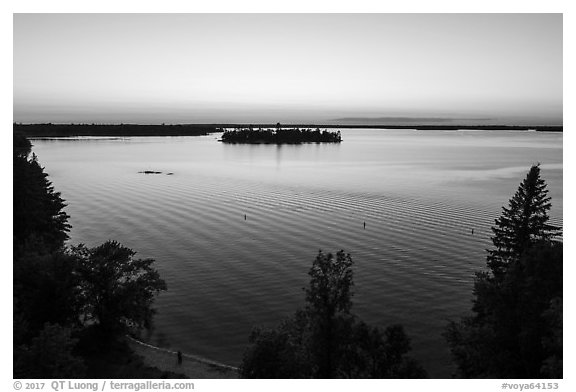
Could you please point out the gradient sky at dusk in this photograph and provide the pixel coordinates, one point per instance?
(201, 68)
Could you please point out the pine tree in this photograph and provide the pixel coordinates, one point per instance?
(522, 224)
(513, 331)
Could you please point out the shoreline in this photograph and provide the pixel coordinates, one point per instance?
(192, 366)
(139, 130)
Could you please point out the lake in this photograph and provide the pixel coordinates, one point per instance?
(420, 194)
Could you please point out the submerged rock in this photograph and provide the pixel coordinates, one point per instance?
(150, 172)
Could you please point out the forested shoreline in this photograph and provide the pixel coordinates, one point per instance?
(110, 130)
(47, 130)
(73, 305)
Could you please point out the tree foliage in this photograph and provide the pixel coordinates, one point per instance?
(514, 329)
(50, 355)
(21, 145)
(63, 294)
(522, 224)
(47, 289)
(280, 136)
(117, 289)
(325, 340)
(331, 283)
(39, 220)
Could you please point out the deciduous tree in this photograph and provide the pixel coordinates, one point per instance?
(325, 340)
(118, 290)
(50, 355)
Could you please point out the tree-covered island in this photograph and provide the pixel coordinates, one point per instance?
(280, 136)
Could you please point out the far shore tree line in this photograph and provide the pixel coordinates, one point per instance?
(73, 304)
(48, 130)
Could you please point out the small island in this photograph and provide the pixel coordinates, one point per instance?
(280, 136)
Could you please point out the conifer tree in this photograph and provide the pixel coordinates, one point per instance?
(514, 329)
(522, 224)
(39, 219)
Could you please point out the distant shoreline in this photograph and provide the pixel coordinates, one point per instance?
(136, 130)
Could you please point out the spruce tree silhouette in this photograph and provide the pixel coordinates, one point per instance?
(514, 330)
(522, 224)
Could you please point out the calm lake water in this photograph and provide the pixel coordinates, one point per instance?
(419, 192)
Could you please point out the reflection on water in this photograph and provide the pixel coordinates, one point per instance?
(420, 194)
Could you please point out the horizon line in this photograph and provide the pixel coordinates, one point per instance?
(301, 124)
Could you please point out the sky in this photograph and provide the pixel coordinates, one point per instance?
(289, 68)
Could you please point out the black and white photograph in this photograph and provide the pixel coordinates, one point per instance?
(288, 196)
